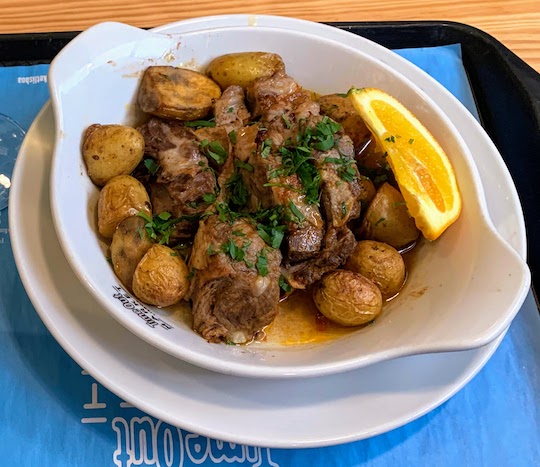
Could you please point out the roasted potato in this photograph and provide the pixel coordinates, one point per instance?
(380, 263)
(123, 196)
(347, 298)
(387, 219)
(161, 277)
(177, 93)
(111, 150)
(130, 243)
(243, 68)
(341, 109)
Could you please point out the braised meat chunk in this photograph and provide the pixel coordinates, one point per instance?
(337, 247)
(230, 110)
(271, 185)
(340, 189)
(183, 177)
(235, 288)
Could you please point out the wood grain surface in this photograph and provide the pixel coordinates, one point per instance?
(516, 23)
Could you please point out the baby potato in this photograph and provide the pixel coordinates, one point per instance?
(123, 196)
(161, 277)
(347, 298)
(177, 93)
(380, 263)
(243, 68)
(341, 109)
(111, 150)
(387, 219)
(130, 242)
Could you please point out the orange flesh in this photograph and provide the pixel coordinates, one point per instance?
(410, 150)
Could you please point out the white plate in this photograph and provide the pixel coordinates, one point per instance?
(312, 412)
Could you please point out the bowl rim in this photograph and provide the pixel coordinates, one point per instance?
(241, 368)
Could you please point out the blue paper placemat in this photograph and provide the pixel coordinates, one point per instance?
(493, 421)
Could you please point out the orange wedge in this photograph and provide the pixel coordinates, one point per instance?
(422, 170)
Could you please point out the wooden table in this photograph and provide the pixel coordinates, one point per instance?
(516, 23)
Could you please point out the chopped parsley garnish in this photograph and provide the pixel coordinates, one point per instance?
(270, 226)
(244, 165)
(232, 136)
(262, 263)
(345, 169)
(237, 193)
(411, 141)
(283, 185)
(343, 210)
(215, 150)
(201, 123)
(284, 285)
(286, 120)
(296, 213)
(209, 197)
(230, 110)
(382, 219)
(151, 165)
(295, 160)
(390, 139)
(273, 236)
(266, 147)
(323, 134)
(237, 253)
(296, 155)
(225, 214)
(160, 227)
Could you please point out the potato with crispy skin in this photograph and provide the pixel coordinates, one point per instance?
(388, 220)
(347, 298)
(340, 109)
(130, 243)
(123, 196)
(243, 68)
(161, 277)
(177, 93)
(111, 150)
(380, 263)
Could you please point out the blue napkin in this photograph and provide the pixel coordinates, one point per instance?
(51, 411)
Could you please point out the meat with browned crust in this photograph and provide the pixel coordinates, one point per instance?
(232, 299)
(183, 177)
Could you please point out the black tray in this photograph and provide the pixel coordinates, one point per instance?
(506, 89)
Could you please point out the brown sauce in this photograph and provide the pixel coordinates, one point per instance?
(299, 322)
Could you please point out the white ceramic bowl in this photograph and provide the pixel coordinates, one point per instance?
(463, 292)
